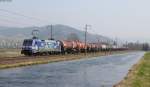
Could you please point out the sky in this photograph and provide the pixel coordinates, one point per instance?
(125, 19)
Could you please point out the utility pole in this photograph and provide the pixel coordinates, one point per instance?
(98, 41)
(116, 39)
(86, 28)
(85, 39)
(126, 44)
(51, 31)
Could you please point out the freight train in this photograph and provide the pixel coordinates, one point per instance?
(51, 47)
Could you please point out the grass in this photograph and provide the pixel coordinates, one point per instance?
(139, 76)
(23, 64)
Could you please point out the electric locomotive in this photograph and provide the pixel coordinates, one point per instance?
(41, 47)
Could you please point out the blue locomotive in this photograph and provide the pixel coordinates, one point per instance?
(40, 47)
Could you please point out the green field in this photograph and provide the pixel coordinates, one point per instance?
(139, 76)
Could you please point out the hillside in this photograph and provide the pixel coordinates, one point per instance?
(12, 37)
(59, 32)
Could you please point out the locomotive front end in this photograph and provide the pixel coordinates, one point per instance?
(28, 48)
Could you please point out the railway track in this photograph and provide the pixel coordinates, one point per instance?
(18, 59)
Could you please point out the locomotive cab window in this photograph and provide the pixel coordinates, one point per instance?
(27, 43)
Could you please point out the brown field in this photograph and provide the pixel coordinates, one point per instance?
(10, 52)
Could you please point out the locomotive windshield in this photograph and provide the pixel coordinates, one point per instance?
(27, 42)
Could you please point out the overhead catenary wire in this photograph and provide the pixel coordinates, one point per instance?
(14, 22)
(12, 13)
(22, 15)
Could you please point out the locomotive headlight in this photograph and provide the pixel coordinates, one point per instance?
(35, 47)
